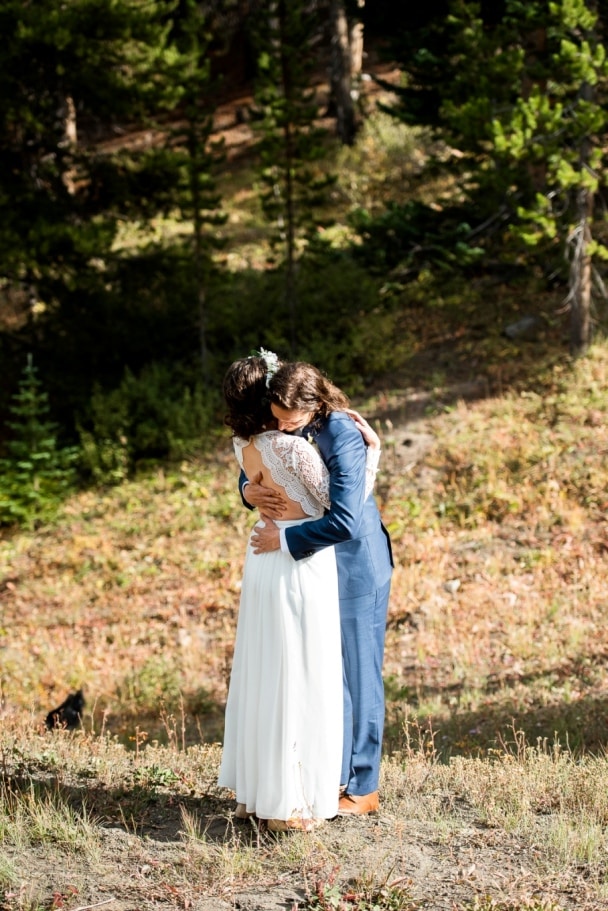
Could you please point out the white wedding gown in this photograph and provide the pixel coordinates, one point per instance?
(283, 734)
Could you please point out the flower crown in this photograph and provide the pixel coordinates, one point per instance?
(272, 363)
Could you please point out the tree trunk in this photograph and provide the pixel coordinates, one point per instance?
(580, 278)
(290, 214)
(340, 74)
(535, 49)
(581, 272)
(199, 264)
(66, 114)
(356, 46)
(579, 294)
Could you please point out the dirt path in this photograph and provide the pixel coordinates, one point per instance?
(231, 119)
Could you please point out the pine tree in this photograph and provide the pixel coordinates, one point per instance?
(197, 158)
(291, 143)
(72, 74)
(522, 96)
(558, 129)
(36, 472)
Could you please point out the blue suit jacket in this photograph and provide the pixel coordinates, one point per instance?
(352, 523)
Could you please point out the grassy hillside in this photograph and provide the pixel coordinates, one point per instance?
(496, 507)
(494, 667)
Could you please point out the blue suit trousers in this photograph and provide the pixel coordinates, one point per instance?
(363, 625)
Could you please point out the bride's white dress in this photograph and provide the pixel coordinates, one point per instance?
(283, 734)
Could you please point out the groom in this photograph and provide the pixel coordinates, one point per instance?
(364, 561)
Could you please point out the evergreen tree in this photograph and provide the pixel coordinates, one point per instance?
(89, 93)
(73, 75)
(558, 130)
(291, 143)
(197, 157)
(522, 98)
(36, 472)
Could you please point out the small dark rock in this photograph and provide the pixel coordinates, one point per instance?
(68, 715)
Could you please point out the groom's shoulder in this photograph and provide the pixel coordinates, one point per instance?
(337, 417)
(337, 420)
(337, 424)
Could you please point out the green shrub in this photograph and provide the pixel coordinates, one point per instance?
(155, 415)
(414, 235)
(341, 322)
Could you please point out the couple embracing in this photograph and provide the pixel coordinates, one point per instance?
(305, 710)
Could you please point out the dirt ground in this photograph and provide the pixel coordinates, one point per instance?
(438, 866)
(231, 119)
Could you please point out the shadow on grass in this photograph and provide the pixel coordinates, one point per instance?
(579, 724)
(159, 801)
(458, 353)
(143, 808)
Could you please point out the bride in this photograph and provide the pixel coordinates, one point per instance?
(283, 732)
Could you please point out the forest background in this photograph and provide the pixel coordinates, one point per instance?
(417, 205)
(129, 281)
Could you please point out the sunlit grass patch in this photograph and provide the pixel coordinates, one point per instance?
(40, 815)
(385, 154)
(236, 859)
(541, 796)
(498, 599)
(8, 873)
(92, 612)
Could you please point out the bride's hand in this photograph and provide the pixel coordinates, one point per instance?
(268, 501)
(367, 432)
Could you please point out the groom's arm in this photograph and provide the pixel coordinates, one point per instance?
(343, 451)
(243, 482)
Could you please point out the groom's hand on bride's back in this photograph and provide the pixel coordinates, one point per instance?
(268, 501)
(265, 538)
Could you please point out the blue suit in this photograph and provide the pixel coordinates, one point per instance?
(363, 555)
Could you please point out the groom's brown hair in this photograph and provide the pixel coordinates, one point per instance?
(302, 387)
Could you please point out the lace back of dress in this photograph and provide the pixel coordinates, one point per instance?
(294, 466)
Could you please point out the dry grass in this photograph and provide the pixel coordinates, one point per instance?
(134, 592)
(83, 818)
(511, 504)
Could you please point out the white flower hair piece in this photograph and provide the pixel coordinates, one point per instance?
(272, 364)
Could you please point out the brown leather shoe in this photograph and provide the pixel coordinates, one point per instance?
(358, 804)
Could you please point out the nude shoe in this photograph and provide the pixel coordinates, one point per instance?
(358, 804)
(241, 812)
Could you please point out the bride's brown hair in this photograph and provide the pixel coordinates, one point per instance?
(247, 399)
(301, 387)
